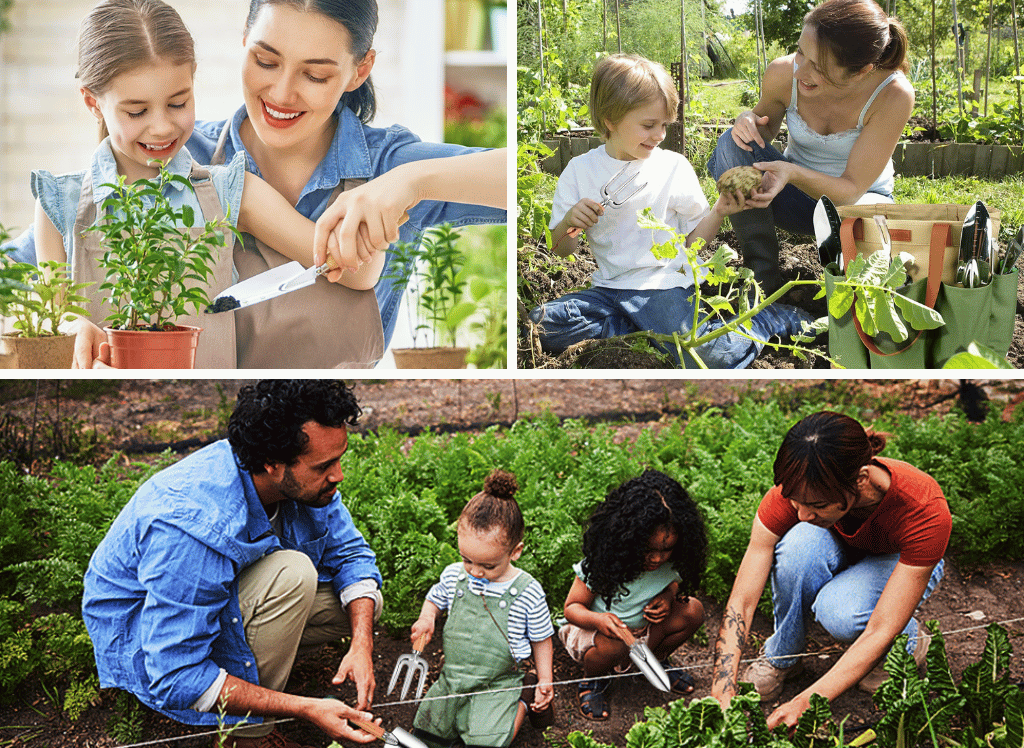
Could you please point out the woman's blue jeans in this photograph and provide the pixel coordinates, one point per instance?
(813, 574)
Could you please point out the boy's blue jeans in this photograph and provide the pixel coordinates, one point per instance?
(607, 312)
(792, 208)
(812, 573)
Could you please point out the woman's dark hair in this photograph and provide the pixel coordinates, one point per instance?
(823, 453)
(496, 507)
(855, 33)
(266, 425)
(359, 17)
(617, 535)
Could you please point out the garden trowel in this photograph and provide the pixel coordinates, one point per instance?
(395, 737)
(268, 285)
(646, 662)
(826, 231)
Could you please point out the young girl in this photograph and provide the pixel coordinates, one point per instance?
(497, 617)
(632, 102)
(136, 62)
(643, 555)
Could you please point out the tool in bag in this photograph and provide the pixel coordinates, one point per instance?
(646, 662)
(416, 664)
(1013, 251)
(826, 232)
(931, 235)
(976, 249)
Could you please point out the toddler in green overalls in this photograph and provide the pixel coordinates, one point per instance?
(644, 551)
(497, 617)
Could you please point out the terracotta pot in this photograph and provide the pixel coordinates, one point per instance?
(153, 349)
(49, 352)
(430, 358)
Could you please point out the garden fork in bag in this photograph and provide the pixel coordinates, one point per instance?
(416, 664)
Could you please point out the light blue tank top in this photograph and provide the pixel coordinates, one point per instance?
(828, 154)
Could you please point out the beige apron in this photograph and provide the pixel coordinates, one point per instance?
(322, 326)
(215, 349)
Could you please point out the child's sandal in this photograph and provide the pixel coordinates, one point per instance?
(593, 704)
(679, 681)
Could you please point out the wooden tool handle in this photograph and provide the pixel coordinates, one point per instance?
(371, 727)
(420, 642)
(627, 636)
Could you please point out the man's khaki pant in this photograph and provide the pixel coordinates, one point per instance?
(285, 610)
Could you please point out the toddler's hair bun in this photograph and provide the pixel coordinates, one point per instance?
(501, 485)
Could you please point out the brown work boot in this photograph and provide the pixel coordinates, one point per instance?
(870, 682)
(270, 740)
(767, 678)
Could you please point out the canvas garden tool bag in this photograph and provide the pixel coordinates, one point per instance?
(931, 235)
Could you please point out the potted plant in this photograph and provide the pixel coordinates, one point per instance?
(157, 264)
(38, 301)
(434, 272)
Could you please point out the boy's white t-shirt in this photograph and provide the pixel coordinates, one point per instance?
(622, 249)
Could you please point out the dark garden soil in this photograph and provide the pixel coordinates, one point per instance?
(144, 416)
(543, 277)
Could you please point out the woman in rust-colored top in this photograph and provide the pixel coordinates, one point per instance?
(854, 540)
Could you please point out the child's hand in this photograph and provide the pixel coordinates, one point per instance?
(729, 203)
(543, 693)
(583, 215)
(611, 626)
(423, 627)
(659, 607)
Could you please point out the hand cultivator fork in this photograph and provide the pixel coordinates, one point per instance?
(612, 193)
(416, 664)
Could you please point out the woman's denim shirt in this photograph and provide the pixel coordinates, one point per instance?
(59, 195)
(161, 592)
(357, 152)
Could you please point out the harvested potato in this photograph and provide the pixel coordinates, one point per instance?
(746, 179)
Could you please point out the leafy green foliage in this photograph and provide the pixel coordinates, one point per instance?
(977, 356)
(40, 301)
(125, 725)
(155, 267)
(871, 287)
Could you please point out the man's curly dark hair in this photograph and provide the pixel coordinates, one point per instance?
(620, 528)
(266, 425)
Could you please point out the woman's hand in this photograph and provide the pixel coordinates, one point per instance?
(777, 175)
(91, 348)
(745, 129)
(789, 713)
(365, 221)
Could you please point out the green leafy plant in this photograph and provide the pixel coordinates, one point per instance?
(434, 269)
(43, 299)
(155, 267)
(736, 298)
(125, 724)
(977, 356)
(871, 287)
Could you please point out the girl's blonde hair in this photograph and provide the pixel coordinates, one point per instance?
(622, 83)
(119, 36)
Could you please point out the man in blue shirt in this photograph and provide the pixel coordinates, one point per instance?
(225, 565)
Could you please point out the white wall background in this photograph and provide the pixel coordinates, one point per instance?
(45, 125)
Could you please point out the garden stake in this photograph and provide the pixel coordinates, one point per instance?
(396, 737)
(415, 664)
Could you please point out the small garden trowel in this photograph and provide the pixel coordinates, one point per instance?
(267, 285)
(395, 737)
(647, 663)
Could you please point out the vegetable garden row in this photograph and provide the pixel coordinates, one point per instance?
(405, 495)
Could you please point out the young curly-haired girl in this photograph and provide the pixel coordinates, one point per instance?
(643, 554)
(497, 617)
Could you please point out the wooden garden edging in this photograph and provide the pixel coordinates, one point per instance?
(910, 159)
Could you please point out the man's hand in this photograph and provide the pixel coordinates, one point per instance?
(332, 716)
(789, 713)
(357, 665)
